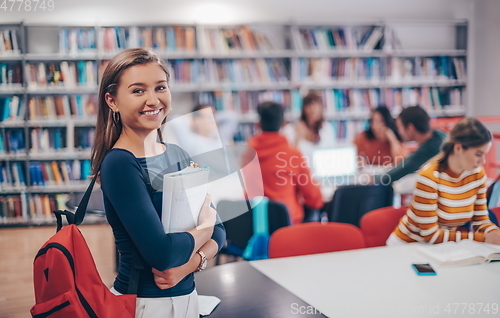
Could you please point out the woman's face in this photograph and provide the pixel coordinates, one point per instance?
(314, 111)
(143, 98)
(378, 125)
(471, 158)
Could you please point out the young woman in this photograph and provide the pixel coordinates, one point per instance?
(380, 144)
(450, 192)
(311, 131)
(131, 159)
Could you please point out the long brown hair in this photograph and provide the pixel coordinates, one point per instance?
(469, 132)
(308, 100)
(107, 130)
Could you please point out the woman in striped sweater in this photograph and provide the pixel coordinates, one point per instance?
(450, 192)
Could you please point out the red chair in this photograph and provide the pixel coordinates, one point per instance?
(497, 212)
(378, 224)
(314, 238)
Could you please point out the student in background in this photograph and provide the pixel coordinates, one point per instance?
(450, 192)
(134, 100)
(413, 124)
(285, 174)
(311, 131)
(380, 144)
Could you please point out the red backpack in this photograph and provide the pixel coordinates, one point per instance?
(67, 283)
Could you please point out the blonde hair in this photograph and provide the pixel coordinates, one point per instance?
(107, 131)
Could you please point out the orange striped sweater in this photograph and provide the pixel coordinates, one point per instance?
(443, 201)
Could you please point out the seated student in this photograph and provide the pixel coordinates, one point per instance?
(450, 192)
(286, 177)
(380, 144)
(413, 124)
(311, 131)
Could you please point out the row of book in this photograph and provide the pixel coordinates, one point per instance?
(11, 109)
(8, 42)
(229, 71)
(365, 38)
(84, 137)
(62, 106)
(244, 132)
(43, 173)
(346, 130)
(340, 69)
(46, 140)
(58, 172)
(436, 67)
(360, 101)
(244, 102)
(10, 73)
(64, 74)
(373, 69)
(77, 40)
(242, 38)
(166, 39)
(430, 98)
(12, 141)
(20, 208)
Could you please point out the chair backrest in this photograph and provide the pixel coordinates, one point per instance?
(378, 224)
(314, 238)
(351, 202)
(493, 194)
(239, 229)
(496, 211)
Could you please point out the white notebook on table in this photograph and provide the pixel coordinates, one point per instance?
(183, 195)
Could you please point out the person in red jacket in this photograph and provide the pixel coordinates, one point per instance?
(286, 177)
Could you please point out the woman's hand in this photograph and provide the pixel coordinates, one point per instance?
(171, 277)
(207, 215)
(492, 237)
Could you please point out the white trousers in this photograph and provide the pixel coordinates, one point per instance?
(166, 307)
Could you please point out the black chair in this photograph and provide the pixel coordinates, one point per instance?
(239, 229)
(351, 202)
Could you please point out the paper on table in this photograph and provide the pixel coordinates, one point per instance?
(183, 195)
(207, 304)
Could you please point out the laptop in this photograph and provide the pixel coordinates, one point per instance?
(337, 163)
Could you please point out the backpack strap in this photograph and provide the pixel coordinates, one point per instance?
(77, 217)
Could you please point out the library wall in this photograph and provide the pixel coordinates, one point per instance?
(486, 77)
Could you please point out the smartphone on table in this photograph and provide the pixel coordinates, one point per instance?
(423, 269)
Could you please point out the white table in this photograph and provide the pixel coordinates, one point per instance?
(379, 282)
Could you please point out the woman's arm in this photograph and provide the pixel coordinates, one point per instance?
(123, 185)
(171, 277)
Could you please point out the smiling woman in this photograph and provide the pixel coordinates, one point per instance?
(134, 101)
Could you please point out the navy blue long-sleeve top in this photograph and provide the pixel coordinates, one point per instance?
(133, 201)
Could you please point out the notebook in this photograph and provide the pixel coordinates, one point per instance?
(183, 195)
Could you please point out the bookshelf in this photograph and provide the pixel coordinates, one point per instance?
(49, 77)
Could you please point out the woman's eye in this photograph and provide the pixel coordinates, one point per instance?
(137, 91)
(161, 88)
